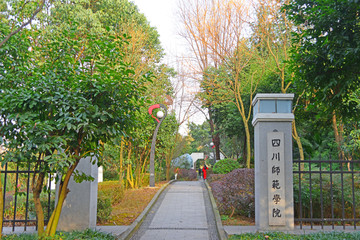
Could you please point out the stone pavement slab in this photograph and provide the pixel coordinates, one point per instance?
(183, 211)
(166, 234)
(182, 207)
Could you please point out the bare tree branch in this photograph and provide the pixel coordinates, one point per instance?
(38, 9)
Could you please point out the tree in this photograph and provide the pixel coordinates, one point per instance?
(59, 106)
(77, 80)
(230, 62)
(201, 138)
(194, 16)
(273, 30)
(144, 53)
(326, 57)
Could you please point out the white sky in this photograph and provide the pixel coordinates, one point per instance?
(162, 14)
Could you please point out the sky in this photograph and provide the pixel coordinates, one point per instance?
(162, 14)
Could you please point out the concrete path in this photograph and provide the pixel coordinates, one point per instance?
(183, 211)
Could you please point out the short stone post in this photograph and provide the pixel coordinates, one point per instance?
(80, 206)
(272, 121)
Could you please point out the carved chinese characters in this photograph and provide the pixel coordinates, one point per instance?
(276, 178)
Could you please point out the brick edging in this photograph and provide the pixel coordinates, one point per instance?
(220, 229)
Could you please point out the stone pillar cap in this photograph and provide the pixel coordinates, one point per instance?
(268, 96)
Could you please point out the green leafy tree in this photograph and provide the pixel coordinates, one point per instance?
(326, 59)
(200, 136)
(71, 89)
(169, 142)
(13, 58)
(61, 99)
(144, 53)
(273, 30)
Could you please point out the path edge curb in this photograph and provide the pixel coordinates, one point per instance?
(220, 228)
(136, 224)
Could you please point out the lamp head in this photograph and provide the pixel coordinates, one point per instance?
(160, 114)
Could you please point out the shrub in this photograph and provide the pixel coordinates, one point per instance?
(215, 177)
(113, 189)
(331, 194)
(110, 175)
(187, 174)
(104, 208)
(109, 193)
(234, 193)
(225, 166)
(145, 180)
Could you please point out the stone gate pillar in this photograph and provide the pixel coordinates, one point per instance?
(80, 206)
(272, 121)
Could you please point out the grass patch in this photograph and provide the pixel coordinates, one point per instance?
(314, 236)
(75, 235)
(237, 220)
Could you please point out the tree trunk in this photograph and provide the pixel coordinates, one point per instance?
(63, 191)
(216, 140)
(338, 136)
(248, 144)
(121, 162)
(167, 172)
(138, 175)
(168, 164)
(244, 150)
(37, 188)
(298, 142)
(215, 137)
(129, 176)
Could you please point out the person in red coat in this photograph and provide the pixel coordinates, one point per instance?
(204, 171)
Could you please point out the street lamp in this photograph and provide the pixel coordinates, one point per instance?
(159, 115)
(214, 157)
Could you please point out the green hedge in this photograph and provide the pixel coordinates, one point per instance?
(109, 193)
(225, 166)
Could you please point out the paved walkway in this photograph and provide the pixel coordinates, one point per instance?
(183, 211)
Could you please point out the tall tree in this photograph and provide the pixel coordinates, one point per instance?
(194, 16)
(273, 30)
(326, 55)
(216, 31)
(61, 99)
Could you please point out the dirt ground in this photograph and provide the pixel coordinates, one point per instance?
(132, 205)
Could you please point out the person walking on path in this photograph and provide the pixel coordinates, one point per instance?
(200, 170)
(204, 171)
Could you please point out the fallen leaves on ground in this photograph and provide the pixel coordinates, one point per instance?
(132, 205)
